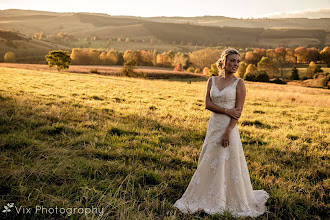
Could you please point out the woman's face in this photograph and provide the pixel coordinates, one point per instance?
(232, 63)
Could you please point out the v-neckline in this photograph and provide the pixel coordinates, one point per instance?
(225, 86)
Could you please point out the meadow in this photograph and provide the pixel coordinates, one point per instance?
(131, 145)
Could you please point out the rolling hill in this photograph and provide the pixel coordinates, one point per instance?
(21, 45)
(207, 30)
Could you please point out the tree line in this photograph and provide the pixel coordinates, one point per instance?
(257, 65)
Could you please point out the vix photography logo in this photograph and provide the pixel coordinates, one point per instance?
(11, 208)
(7, 207)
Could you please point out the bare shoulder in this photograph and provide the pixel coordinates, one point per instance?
(209, 80)
(240, 83)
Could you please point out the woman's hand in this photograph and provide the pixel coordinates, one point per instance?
(225, 139)
(234, 113)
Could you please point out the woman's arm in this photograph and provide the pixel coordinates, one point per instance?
(233, 113)
(208, 102)
(240, 98)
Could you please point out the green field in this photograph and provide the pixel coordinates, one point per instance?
(131, 146)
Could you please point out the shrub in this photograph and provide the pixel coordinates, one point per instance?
(9, 58)
(214, 71)
(128, 70)
(178, 67)
(312, 69)
(241, 70)
(249, 76)
(94, 71)
(262, 76)
(191, 69)
(206, 71)
(58, 58)
(197, 70)
(317, 71)
(294, 74)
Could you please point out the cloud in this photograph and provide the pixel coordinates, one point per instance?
(309, 13)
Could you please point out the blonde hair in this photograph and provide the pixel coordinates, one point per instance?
(221, 61)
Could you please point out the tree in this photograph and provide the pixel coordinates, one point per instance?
(10, 57)
(42, 36)
(206, 71)
(138, 57)
(178, 68)
(103, 58)
(79, 56)
(250, 73)
(294, 74)
(325, 55)
(317, 71)
(214, 71)
(262, 76)
(112, 57)
(269, 65)
(181, 58)
(270, 53)
(129, 70)
(241, 70)
(248, 57)
(58, 58)
(301, 54)
(313, 54)
(191, 69)
(205, 57)
(258, 53)
(129, 55)
(171, 54)
(94, 56)
(163, 60)
(146, 58)
(280, 54)
(311, 69)
(290, 57)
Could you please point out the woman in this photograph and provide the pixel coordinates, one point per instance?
(221, 181)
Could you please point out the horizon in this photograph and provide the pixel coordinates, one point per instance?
(269, 9)
(163, 16)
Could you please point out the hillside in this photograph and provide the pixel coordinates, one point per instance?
(221, 21)
(198, 30)
(20, 45)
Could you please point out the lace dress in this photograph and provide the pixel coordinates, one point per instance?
(221, 181)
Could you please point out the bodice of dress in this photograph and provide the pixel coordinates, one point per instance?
(226, 98)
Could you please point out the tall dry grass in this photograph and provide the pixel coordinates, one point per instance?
(131, 146)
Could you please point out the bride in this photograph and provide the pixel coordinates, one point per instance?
(221, 181)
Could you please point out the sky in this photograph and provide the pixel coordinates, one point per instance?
(182, 8)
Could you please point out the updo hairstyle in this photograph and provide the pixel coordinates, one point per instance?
(221, 61)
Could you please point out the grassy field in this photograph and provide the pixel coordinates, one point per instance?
(131, 146)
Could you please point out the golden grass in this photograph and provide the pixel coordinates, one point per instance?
(131, 146)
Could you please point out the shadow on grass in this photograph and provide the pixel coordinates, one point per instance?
(149, 161)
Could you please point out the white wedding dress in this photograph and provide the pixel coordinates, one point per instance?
(221, 181)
